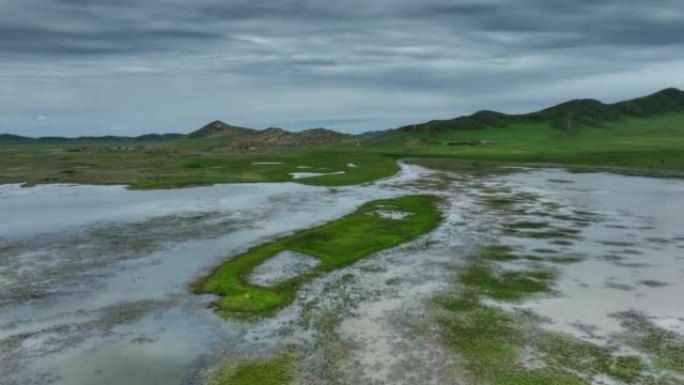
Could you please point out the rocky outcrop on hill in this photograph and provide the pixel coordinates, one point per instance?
(320, 135)
(280, 137)
(217, 129)
(272, 136)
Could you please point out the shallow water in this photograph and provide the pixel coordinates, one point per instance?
(306, 175)
(634, 250)
(282, 267)
(94, 279)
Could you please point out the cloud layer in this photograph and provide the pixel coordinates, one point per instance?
(129, 67)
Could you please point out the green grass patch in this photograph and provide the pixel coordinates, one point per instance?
(279, 370)
(336, 244)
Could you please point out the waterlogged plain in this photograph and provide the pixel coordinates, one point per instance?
(531, 277)
(543, 300)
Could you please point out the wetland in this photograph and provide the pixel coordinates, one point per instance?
(459, 275)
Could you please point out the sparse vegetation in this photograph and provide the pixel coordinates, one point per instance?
(495, 343)
(666, 347)
(482, 280)
(279, 370)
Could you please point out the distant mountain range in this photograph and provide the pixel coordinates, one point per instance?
(240, 136)
(10, 138)
(566, 116)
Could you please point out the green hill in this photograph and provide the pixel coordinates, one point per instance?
(570, 115)
(644, 134)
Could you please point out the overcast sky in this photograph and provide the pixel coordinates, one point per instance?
(127, 67)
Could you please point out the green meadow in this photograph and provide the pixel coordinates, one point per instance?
(185, 163)
(652, 145)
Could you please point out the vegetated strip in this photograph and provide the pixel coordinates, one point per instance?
(335, 244)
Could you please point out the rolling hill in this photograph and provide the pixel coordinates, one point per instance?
(645, 133)
(569, 116)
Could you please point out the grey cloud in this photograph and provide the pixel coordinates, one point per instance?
(39, 40)
(343, 63)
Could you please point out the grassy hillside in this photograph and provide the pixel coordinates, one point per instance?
(567, 117)
(647, 139)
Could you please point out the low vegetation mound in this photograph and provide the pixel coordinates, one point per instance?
(335, 244)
